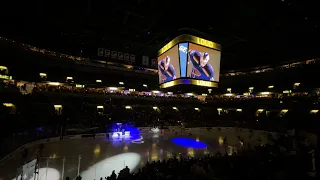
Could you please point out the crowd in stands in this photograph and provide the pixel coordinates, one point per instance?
(33, 116)
(27, 113)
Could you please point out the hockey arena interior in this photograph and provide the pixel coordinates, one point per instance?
(132, 91)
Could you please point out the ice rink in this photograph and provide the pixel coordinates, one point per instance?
(100, 156)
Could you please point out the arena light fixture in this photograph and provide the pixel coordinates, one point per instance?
(54, 83)
(128, 107)
(144, 85)
(98, 81)
(265, 93)
(97, 149)
(5, 77)
(121, 83)
(99, 107)
(260, 110)
(79, 86)
(3, 68)
(113, 88)
(239, 110)
(219, 109)
(197, 109)
(156, 92)
(284, 111)
(286, 91)
(57, 106)
(270, 87)
(220, 140)
(204, 94)
(155, 107)
(296, 84)
(314, 111)
(8, 104)
(69, 78)
(175, 108)
(43, 75)
(228, 94)
(53, 156)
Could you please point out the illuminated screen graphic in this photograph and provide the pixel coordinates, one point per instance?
(183, 56)
(190, 143)
(203, 63)
(189, 58)
(168, 65)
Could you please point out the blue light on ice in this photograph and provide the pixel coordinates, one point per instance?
(190, 143)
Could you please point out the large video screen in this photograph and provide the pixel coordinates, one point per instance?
(203, 63)
(168, 65)
(191, 60)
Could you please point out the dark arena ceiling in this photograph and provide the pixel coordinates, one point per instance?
(252, 33)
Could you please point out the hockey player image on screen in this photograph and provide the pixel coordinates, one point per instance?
(201, 68)
(166, 70)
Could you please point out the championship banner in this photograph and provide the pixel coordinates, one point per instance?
(107, 53)
(145, 60)
(114, 54)
(126, 57)
(100, 52)
(132, 58)
(120, 56)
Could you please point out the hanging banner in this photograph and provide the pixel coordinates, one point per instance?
(120, 56)
(107, 53)
(132, 58)
(126, 57)
(100, 52)
(114, 54)
(145, 60)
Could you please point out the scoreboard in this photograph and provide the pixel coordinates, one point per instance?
(190, 60)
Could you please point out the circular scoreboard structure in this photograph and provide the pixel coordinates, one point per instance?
(189, 60)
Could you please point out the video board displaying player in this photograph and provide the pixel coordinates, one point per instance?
(203, 63)
(168, 65)
(166, 69)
